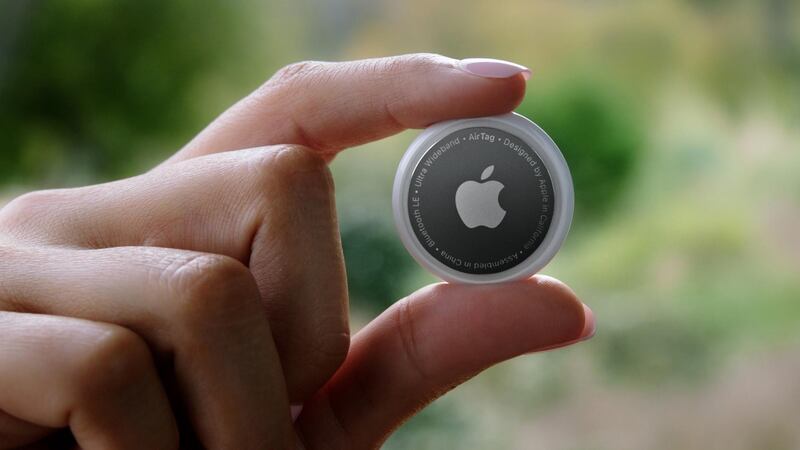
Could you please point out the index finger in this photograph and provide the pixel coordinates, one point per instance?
(330, 106)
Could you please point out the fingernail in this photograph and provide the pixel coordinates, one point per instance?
(589, 324)
(493, 68)
(295, 410)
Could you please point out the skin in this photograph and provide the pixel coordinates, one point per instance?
(191, 305)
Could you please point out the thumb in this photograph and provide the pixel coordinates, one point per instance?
(430, 342)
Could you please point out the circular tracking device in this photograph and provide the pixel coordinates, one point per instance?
(483, 200)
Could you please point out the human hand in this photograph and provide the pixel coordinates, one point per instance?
(204, 297)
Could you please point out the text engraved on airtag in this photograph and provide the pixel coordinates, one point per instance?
(480, 200)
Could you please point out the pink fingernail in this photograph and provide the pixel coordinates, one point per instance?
(493, 68)
(589, 324)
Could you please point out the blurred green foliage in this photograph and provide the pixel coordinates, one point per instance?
(657, 351)
(377, 265)
(99, 87)
(598, 133)
(679, 119)
(85, 94)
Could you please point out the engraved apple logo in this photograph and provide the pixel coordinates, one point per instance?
(478, 203)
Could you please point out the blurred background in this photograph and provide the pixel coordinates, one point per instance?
(680, 121)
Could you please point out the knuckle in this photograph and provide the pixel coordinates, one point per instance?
(296, 72)
(115, 359)
(291, 160)
(293, 169)
(29, 208)
(211, 288)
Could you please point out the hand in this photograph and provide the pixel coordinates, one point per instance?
(204, 297)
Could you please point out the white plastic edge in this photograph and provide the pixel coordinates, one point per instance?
(554, 162)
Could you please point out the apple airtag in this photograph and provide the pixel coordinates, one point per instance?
(483, 200)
